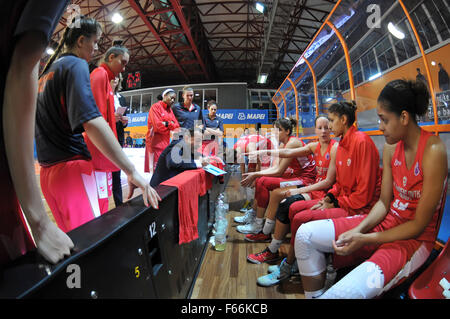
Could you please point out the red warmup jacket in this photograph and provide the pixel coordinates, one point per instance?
(358, 173)
(104, 98)
(158, 135)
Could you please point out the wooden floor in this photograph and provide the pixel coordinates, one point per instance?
(228, 274)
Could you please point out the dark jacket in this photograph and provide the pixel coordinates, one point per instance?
(172, 162)
(119, 125)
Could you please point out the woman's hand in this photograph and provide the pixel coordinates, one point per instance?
(149, 195)
(349, 242)
(322, 204)
(248, 179)
(51, 242)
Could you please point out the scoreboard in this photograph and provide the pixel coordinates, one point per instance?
(134, 80)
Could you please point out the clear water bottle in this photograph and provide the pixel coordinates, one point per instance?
(221, 235)
(224, 199)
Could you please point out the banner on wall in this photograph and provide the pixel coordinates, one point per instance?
(230, 116)
(137, 119)
(242, 116)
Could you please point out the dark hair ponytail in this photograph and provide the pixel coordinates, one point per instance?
(117, 49)
(287, 123)
(80, 25)
(347, 108)
(405, 95)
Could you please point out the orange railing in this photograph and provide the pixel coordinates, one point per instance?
(352, 92)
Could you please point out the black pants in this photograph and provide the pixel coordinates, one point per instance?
(117, 188)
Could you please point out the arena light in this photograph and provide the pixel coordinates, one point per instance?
(116, 18)
(376, 75)
(395, 32)
(260, 7)
(50, 51)
(262, 78)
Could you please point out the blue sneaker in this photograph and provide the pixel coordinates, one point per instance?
(282, 272)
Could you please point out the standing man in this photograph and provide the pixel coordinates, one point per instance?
(161, 121)
(188, 112)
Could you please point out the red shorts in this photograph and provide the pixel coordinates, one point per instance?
(265, 184)
(390, 257)
(70, 190)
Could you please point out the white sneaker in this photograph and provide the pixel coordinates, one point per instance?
(252, 228)
(247, 218)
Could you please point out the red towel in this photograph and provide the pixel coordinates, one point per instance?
(191, 184)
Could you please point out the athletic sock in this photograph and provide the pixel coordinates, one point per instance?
(275, 244)
(259, 221)
(268, 226)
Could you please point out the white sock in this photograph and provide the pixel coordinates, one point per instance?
(275, 244)
(259, 221)
(268, 226)
(314, 294)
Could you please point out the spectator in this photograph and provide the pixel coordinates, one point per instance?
(129, 140)
(443, 78)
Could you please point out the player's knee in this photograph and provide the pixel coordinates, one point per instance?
(303, 242)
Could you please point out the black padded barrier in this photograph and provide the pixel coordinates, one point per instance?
(130, 252)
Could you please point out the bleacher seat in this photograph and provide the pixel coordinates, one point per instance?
(427, 286)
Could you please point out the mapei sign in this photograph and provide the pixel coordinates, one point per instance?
(243, 116)
(137, 119)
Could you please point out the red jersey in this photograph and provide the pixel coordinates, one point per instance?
(262, 143)
(358, 173)
(158, 135)
(104, 98)
(322, 164)
(304, 166)
(407, 188)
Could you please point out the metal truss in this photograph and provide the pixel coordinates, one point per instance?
(187, 41)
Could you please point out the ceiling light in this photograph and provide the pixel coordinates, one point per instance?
(395, 32)
(433, 63)
(373, 77)
(50, 51)
(260, 7)
(116, 18)
(262, 78)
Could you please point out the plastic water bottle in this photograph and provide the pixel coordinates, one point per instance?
(224, 199)
(221, 235)
(221, 224)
